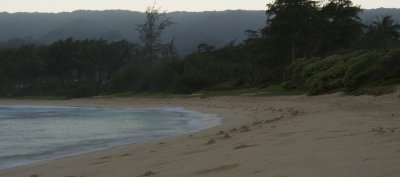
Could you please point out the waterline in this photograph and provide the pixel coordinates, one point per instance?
(35, 133)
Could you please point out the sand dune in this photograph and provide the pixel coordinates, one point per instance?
(285, 136)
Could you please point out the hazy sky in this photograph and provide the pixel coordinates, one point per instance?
(169, 5)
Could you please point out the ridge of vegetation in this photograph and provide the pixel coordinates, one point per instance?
(306, 46)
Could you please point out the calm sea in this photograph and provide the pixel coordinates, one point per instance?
(35, 133)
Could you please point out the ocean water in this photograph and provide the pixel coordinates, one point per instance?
(35, 133)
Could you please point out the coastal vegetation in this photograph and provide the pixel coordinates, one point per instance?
(305, 46)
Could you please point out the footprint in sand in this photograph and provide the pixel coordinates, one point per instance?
(124, 155)
(99, 162)
(149, 173)
(218, 169)
(233, 130)
(226, 136)
(384, 131)
(285, 134)
(273, 120)
(197, 151)
(105, 157)
(244, 128)
(243, 146)
(256, 172)
(255, 123)
(295, 113)
(211, 141)
(220, 132)
(368, 159)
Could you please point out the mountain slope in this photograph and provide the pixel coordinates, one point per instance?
(192, 28)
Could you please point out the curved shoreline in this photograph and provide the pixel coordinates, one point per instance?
(195, 120)
(329, 135)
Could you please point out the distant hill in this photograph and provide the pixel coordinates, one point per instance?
(192, 28)
(371, 15)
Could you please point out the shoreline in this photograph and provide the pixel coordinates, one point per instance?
(330, 135)
(58, 155)
(88, 102)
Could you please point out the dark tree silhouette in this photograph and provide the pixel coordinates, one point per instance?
(385, 29)
(150, 32)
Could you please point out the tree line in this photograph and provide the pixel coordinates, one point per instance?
(299, 35)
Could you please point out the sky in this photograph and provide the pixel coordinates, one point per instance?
(168, 5)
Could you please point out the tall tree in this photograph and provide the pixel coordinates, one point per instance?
(291, 23)
(341, 27)
(307, 28)
(384, 29)
(150, 31)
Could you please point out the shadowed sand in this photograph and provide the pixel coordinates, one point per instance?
(285, 136)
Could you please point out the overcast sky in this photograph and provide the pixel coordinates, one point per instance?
(168, 5)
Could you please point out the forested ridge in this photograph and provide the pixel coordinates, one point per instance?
(213, 27)
(305, 45)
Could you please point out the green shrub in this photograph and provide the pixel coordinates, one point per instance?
(345, 72)
(376, 67)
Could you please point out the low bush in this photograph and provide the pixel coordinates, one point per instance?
(358, 70)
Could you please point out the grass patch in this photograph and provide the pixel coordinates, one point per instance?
(272, 90)
(142, 94)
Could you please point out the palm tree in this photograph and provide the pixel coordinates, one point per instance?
(385, 29)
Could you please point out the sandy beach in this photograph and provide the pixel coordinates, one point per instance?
(281, 136)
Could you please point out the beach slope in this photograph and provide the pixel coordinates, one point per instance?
(282, 136)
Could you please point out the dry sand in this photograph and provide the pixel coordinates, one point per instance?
(285, 136)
